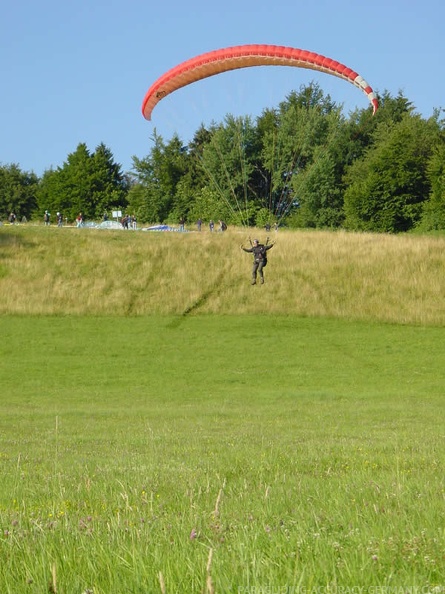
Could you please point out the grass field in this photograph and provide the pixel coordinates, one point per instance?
(170, 448)
(51, 271)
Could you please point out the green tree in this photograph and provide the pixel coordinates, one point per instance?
(433, 214)
(137, 203)
(154, 197)
(392, 110)
(18, 190)
(87, 183)
(318, 201)
(229, 162)
(389, 184)
(109, 186)
(296, 159)
(194, 196)
(207, 205)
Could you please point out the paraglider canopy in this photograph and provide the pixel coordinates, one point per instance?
(244, 56)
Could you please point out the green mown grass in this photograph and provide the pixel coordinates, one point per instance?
(220, 453)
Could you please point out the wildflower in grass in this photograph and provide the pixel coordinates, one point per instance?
(193, 534)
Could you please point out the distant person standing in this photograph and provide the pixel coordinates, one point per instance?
(46, 217)
(199, 224)
(211, 226)
(259, 251)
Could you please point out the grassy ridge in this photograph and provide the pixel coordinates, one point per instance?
(396, 279)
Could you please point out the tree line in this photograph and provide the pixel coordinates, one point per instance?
(301, 164)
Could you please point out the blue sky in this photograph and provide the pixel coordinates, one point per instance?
(78, 71)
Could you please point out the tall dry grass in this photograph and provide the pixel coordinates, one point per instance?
(389, 278)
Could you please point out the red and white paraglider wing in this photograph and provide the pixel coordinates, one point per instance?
(244, 56)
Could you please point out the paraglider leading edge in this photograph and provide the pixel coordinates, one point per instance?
(244, 56)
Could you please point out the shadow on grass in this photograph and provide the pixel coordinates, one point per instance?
(10, 240)
(202, 299)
